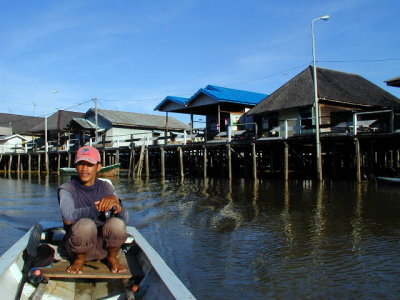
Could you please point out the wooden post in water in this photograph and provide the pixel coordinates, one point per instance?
(29, 163)
(391, 159)
(204, 162)
(147, 163)
(38, 163)
(133, 163)
(286, 160)
(358, 159)
(254, 156)
(69, 159)
(58, 162)
(18, 163)
(398, 159)
(117, 158)
(46, 160)
(104, 157)
(162, 162)
(130, 162)
(139, 165)
(10, 164)
(229, 156)
(181, 161)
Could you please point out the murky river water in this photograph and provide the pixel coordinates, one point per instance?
(243, 240)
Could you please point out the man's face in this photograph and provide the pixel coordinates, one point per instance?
(87, 172)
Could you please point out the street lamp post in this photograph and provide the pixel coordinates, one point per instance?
(46, 146)
(316, 106)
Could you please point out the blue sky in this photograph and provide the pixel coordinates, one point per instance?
(132, 54)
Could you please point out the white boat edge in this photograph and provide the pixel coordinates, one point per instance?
(174, 284)
(11, 264)
(390, 179)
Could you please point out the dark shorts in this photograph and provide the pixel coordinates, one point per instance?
(85, 237)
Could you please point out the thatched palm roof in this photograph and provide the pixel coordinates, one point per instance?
(333, 86)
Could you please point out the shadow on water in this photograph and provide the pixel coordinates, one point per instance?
(245, 239)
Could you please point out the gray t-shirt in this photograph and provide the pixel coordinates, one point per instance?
(77, 201)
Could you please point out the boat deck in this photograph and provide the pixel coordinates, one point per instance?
(92, 269)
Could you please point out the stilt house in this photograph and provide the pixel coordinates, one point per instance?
(344, 100)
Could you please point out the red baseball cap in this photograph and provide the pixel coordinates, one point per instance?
(89, 154)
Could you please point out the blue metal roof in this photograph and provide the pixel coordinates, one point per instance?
(178, 100)
(223, 94)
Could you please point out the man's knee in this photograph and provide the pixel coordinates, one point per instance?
(114, 226)
(114, 232)
(85, 227)
(83, 235)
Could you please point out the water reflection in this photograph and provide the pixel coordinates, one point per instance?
(287, 225)
(259, 239)
(319, 220)
(357, 218)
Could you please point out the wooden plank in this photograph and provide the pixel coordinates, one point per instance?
(39, 292)
(84, 290)
(92, 269)
(107, 287)
(62, 288)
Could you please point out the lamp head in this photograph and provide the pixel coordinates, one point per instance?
(325, 18)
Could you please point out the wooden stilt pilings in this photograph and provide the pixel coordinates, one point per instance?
(181, 167)
(147, 162)
(254, 157)
(229, 157)
(58, 162)
(204, 161)
(18, 163)
(10, 164)
(162, 158)
(345, 158)
(358, 159)
(286, 161)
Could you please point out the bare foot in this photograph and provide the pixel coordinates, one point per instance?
(115, 266)
(76, 267)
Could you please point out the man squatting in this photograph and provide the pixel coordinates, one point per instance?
(83, 201)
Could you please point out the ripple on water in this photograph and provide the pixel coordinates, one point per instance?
(250, 241)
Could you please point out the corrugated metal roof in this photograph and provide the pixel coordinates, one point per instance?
(19, 123)
(57, 121)
(224, 94)
(84, 123)
(139, 120)
(178, 100)
(5, 131)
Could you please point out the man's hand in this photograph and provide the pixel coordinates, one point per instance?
(107, 203)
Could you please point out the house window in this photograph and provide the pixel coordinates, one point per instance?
(305, 120)
(270, 124)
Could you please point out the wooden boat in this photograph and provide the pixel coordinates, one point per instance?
(389, 179)
(147, 272)
(107, 171)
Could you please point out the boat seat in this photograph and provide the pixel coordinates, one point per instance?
(92, 269)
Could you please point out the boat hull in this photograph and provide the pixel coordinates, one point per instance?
(389, 179)
(152, 275)
(107, 171)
